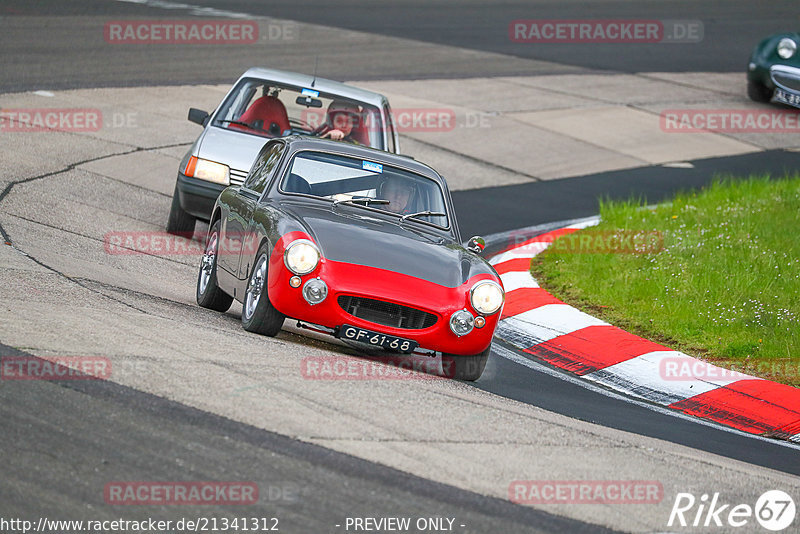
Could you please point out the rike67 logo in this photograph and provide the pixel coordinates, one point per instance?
(774, 510)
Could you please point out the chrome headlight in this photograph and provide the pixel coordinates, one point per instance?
(315, 291)
(461, 323)
(786, 48)
(486, 297)
(210, 171)
(301, 256)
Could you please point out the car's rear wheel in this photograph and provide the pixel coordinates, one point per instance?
(180, 222)
(467, 368)
(208, 293)
(258, 313)
(758, 92)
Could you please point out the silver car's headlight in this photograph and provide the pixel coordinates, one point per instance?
(787, 48)
(210, 171)
(486, 297)
(301, 256)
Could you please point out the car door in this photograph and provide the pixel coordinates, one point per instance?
(235, 221)
(252, 191)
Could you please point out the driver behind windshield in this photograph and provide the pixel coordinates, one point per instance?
(400, 194)
(341, 121)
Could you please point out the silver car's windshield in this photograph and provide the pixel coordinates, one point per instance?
(367, 183)
(270, 109)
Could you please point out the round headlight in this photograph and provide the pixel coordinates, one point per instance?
(315, 291)
(461, 322)
(786, 48)
(301, 256)
(486, 297)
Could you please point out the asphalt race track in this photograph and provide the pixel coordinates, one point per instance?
(197, 398)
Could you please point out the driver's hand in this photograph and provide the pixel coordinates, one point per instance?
(336, 135)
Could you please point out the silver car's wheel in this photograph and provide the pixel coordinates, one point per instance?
(208, 293)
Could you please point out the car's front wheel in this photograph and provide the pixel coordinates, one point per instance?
(758, 92)
(180, 222)
(208, 293)
(258, 313)
(467, 368)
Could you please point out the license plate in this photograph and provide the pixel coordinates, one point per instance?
(376, 339)
(786, 98)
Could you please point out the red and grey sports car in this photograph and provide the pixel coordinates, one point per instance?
(359, 242)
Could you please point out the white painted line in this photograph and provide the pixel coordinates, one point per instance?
(642, 377)
(541, 368)
(549, 321)
(200, 11)
(592, 221)
(517, 280)
(526, 252)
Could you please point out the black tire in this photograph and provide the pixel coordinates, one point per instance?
(467, 368)
(207, 292)
(179, 222)
(758, 92)
(258, 313)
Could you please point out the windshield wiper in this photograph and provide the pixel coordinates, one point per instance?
(240, 123)
(422, 214)
(366, 200)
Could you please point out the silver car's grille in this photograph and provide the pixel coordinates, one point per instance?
(786, 77)
(237, 176)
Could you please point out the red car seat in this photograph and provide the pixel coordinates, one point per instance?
(269, 114)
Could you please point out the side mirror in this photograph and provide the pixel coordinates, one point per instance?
(198, 116)
(476, 244)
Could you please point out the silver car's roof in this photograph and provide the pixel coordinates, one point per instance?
(322, 85)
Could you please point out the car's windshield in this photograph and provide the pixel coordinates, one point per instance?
(347, 179)
(271, 109)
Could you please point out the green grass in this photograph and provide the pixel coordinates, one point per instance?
(725, 287)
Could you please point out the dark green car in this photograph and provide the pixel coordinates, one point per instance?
(773, 74)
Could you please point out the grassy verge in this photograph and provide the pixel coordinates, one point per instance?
(725, 287)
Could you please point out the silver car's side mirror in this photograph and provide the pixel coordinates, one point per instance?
(476, 244)
(198, 116)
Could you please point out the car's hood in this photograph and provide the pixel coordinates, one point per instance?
(238, 150)
(352, 235)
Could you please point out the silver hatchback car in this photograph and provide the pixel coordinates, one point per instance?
(265, 104)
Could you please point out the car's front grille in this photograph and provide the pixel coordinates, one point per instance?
(386, 313)
(786, 77)
(237, 176)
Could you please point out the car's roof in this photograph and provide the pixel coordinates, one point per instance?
(301, 142)
(320, 84)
